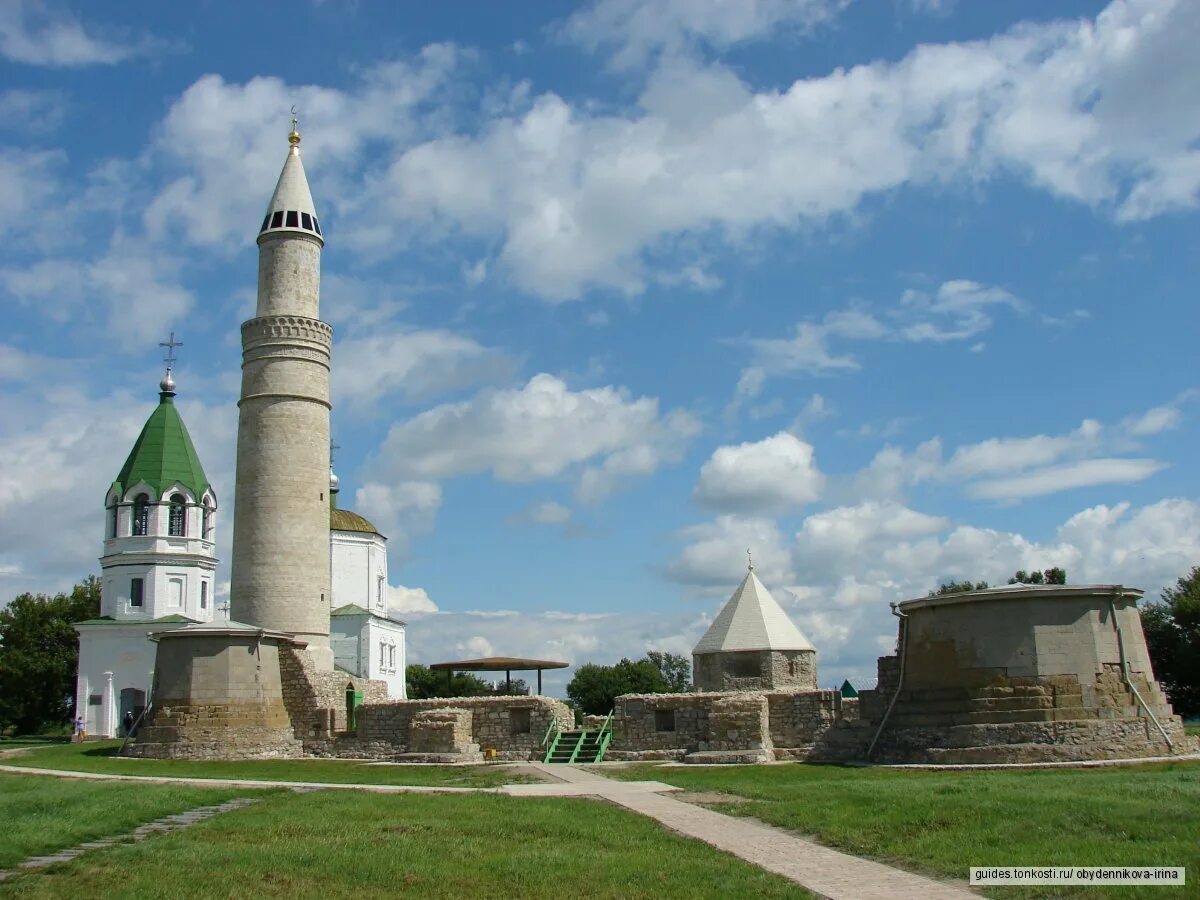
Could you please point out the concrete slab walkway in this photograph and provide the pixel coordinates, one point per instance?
(824, 871)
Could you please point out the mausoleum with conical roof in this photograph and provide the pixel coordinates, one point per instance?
(752, 645)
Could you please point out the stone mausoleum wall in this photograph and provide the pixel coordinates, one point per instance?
(723, 726)
(755, 670)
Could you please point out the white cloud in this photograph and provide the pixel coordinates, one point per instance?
(402, 509)
(1100, 111)
(414, 363)
(639, 29)
(1012, 468)
(541, 430)
(958, 311)
(31, 33)
(714, 555)
(1053, 479)
(409, 601)
(1154, 421)
(775, 474)
(807, 350)
(545, 513)
(31, 111)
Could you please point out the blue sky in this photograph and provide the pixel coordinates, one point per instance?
(891, 293)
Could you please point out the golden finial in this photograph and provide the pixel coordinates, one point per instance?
(294, 137)
(749, 561)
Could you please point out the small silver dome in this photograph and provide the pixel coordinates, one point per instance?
(334, 481)
(167, 385)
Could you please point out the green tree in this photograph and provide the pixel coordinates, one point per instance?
(958, 587)
(39, 656)
(424, 683)
(675, 670)
(1172, 630)
(1047, 576)
(594, 687)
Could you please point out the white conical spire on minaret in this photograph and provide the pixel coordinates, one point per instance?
(291, 208)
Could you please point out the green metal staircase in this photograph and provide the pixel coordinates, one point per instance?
(577, 746)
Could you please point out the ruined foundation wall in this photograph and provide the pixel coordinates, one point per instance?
(513, 727)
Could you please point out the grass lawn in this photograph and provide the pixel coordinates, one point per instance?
(942, 823)
(340, 844)
(14, 743)
(41, 814)
(98, 756)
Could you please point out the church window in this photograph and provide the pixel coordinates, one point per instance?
(206, 526)
(141, 514)
(382, 650)
(95, 699)
(177, 524)
(112, 520)
(277, 219)
(379, 591)
(392, 657)
(306, 221)
(204, 595)
(136, 590)
(293, 219)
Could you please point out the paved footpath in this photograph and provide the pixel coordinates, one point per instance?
(827, 872)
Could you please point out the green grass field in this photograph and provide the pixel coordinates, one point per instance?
(344, 843)
(41, 814)
(941, 823)
(99, 756)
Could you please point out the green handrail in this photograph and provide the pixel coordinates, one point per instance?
(605, 737)
(578, 746)
(553, 745)
(552, 727)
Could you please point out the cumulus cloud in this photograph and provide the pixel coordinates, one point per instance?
(771, 475)
(1012, 468)
(635, 30)
(545, 513)
(402, 509)
(1098, 111)
(715, 552)
(404, 601)
(32, 33)
(413, 363)
(541, 430)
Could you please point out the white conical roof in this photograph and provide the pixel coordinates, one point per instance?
(292, 200)
(752, 620)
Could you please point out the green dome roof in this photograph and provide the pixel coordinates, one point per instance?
(163, 455)
(345, 520)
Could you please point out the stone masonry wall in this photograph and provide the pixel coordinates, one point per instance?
(316, 699)
(514, 727)
(441, 731)
(671, 726)
(756, 670)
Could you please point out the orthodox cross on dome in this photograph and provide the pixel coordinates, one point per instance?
(224, 608)
(168, 383)
(332, 448)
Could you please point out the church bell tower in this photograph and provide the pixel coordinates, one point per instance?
(280, 577)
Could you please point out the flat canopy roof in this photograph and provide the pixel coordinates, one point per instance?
(499, 664)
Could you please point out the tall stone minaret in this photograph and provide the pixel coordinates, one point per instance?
(280, 576)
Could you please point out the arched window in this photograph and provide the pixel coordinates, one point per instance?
(177, 523)
(207, 523)
(141, 514)
(112, 520)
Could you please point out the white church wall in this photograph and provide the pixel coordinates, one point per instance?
(384, 651)
(358, 571)
(112, 659)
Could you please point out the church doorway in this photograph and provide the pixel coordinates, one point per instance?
(132, 701)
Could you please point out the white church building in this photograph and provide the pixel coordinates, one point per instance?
(158, 572)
